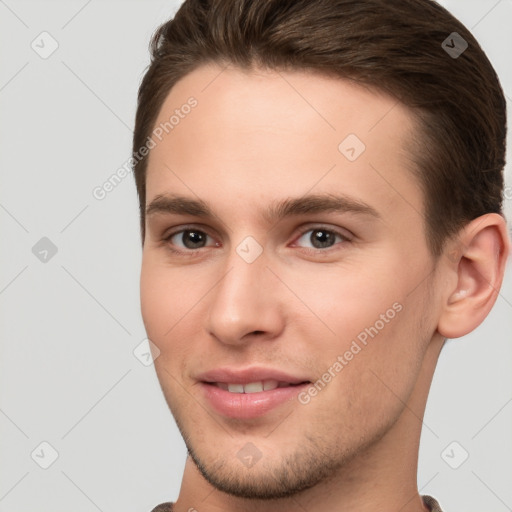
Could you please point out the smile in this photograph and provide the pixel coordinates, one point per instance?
(253, 387)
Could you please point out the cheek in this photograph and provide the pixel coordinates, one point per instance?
(163, 301)
(162, 308)
(170, 306)
(381, 376)
(344, 302)
(153, 297)
(377, 330)
(375, 295)
(372, 380)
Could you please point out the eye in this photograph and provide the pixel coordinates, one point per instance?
(320, 237)
(190, 239)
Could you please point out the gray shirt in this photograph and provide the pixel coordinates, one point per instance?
(430, 502)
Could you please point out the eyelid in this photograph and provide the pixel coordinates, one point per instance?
(186, 227)
(345, 233)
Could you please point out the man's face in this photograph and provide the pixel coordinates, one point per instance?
(339, 298)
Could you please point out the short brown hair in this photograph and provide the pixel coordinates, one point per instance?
(394, 46)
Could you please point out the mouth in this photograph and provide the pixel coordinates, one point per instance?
(250, 392)
(255, 387)
(250, 400)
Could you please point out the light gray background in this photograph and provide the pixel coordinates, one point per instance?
(69, 326)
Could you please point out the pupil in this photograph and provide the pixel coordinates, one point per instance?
(321, 238)
(192, 238)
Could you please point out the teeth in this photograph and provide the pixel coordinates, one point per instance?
(270, 384)
(252, 387)
(236, 388)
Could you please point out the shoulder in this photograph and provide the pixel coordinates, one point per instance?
(163, 507)
(431, 503)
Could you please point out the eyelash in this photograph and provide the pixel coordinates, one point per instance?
(196, 252)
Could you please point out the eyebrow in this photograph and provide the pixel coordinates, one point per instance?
(313, 203)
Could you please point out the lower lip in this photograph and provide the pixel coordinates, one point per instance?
(249, 405)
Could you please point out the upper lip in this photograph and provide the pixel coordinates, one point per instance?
(247, 375)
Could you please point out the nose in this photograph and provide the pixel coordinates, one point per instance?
(246, 302)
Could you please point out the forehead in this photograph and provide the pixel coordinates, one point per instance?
(260, 135)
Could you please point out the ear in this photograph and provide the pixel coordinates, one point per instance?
(477, 260)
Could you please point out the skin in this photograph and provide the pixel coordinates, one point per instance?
(262, 136)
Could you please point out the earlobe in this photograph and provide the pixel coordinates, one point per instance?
(479, 261)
